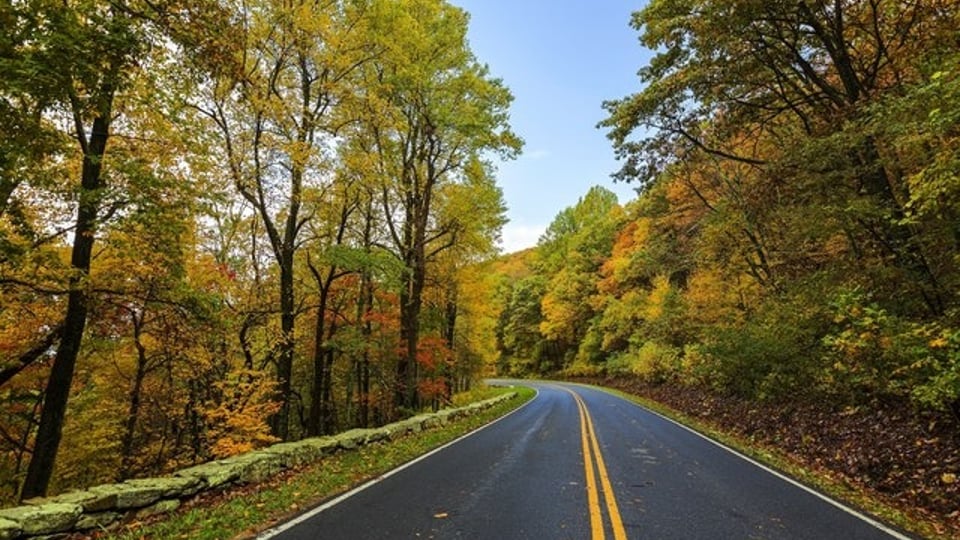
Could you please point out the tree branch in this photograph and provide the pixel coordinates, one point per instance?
(31, 355)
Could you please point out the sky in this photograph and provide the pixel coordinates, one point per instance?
(561, 59)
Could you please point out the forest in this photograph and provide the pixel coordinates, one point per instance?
(798, 221)
(226, 224)
(796, 238)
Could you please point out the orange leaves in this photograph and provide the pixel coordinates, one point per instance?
(433, 388)
(627, 242)
(433, 353)
(435, 360)
(388, 318)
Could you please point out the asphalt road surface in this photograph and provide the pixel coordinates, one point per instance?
(579, 463)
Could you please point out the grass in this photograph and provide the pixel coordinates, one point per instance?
(242, 512)
(821, 480)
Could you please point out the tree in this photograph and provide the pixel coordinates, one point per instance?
(183, 181)
(434, 109)
(572, 250)
(337, 260)
(521, 345)
(85, 71)
(275, 111)
(451, 294)
(737, 81)
(101, 43)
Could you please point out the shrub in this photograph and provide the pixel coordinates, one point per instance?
(871, 352)
(584, 369)
(940, 389)
(759, 360)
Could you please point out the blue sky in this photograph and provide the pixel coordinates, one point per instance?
(561, 59)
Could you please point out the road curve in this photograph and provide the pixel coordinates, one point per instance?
(580, 463)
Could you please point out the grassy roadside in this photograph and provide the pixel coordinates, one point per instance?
(243, 511)
(914, 523)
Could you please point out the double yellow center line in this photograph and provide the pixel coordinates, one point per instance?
(594, 467)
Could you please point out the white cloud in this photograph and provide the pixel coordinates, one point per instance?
(520, 237)
(536, 154)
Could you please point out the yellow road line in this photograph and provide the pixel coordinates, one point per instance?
(593, 499)
(591, 453)
(619, 533)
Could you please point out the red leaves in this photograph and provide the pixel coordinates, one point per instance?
(432, 388)
(433, 353)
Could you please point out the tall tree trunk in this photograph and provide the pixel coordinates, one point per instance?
(57, 391)
(280, 423)
(449, 336)
(133, 409)
(417, 210)
(328, 410)
(364, 307)
(322, 419)
(411, 302)
(284, 249)
(315, 419)
(403, 398)
(405, 392)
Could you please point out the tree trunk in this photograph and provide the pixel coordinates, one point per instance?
(328, 410)
(133, 410)
(449, 336)
(280, 423)
(411, 302)
(404, 393)
(322, 418)
(315, 418)
(57, 391)
(364, 307)
(895, 236)
(314, 421)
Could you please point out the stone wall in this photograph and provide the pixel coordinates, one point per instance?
(111, 504)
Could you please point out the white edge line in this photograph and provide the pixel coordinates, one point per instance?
(274, 531)
(860, 515)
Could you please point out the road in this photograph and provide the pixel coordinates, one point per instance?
(579, 463)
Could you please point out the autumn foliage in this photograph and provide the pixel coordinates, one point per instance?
(227, 225)
(795, 236)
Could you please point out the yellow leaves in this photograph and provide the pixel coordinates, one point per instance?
(641, 231)
(238, 423)
(558, 316)
(713, 297)
(938, 343)
(299, 152)
(565, 305)
(657, 298)
(313, 19)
